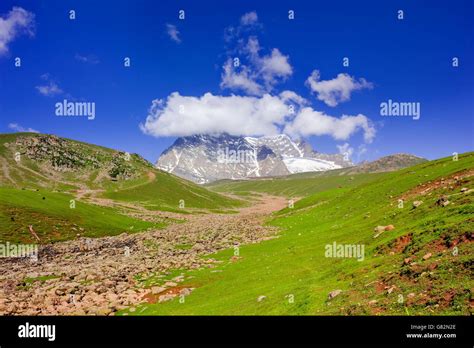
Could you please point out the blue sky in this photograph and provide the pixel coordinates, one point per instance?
(407, 60)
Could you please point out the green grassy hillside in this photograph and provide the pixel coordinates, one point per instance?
(296, 185)
(421, 266)
(37, 161)
(40, 174)
(54, 217)
(166, 191)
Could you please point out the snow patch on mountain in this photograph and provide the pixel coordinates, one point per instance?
(302, 165)
(206, 158)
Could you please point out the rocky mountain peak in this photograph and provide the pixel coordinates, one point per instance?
(204, 158)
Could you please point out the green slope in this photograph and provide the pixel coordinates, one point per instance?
(40, 174)
(294, 265)
(58, 164)
(296, 185)
(166, 192)
(54, 218)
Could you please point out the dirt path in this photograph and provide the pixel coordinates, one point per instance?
(99, 276)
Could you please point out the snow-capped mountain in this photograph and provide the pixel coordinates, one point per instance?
(206, 158)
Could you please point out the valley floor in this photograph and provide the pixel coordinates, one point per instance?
(413, 228)
(108, 274)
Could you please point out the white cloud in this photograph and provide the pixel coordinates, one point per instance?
(259, 113)
(90, 58)
(256, 73)
(311, 122)
(260, 73)
(290, 96)
(274, 66)
(249, 18)
(244, 115)
(239, 80)
(248, 22)
(337, 90)
(212, 114)
(173, 33)
(16, 127)
(50, 88)
(18, 21)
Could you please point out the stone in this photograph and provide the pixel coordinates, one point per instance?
(416, 204)
(442, 201)
(261, 298)
(166, 297)
(185, 291)
(379, 229)
(157, 289)
(427, 256)
(104, 311)
(333, 294)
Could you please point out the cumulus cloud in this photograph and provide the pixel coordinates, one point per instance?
(213, 114)
(243, 79)
(173, 32)
(49, 88)
(274, 66)
(311, 122)
(247, 115)
(17, 128)
(337, 90)
(249, 68)
(290, 96)
(15, 23)
(255, 74)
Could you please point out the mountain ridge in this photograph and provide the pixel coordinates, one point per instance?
(206, 158)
